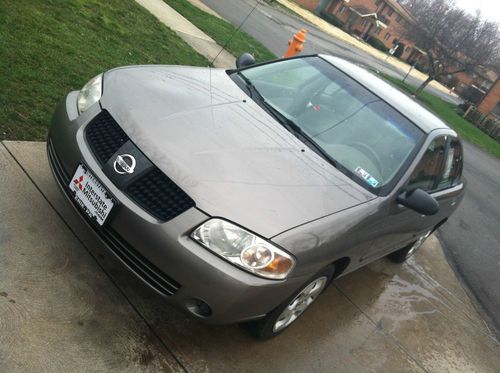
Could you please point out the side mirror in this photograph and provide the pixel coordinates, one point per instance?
(419, 201)
(246, 59)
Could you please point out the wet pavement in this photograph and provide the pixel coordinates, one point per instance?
(67, 305)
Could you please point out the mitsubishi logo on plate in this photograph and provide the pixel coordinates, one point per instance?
(124, 164)
(79, 182)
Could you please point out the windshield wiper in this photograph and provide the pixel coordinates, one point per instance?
(300, 133)
(251, 88)
(289, 124)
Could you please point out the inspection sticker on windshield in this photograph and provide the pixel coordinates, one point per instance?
(366, 176)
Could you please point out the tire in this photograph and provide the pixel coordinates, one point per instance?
(276, 322)
(401, 255)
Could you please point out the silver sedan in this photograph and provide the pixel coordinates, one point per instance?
(239, 195)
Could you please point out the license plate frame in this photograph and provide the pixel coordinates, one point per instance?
(91, 195)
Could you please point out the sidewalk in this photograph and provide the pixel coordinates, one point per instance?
(340, 34)
(67, 305)
(191, 34)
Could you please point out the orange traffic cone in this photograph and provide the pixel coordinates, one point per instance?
(296, 43)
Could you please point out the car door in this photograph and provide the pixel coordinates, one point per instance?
(438, 172)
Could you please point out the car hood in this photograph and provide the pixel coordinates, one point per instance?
(224, 150)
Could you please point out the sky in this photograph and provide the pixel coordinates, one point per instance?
(490, 9)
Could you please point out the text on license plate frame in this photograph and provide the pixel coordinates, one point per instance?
(89, 193)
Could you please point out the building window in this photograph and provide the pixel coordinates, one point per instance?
(364, 22)
(385, 20)
(379, 30)
(496, 110)
(486, 85)
(377, 2)
(398, 18)
(387, 36)
(389, 12)
(342, 10)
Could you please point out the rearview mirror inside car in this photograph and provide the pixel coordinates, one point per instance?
(419, 201)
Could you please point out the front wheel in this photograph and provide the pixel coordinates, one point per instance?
(291, 309)
(403, 254)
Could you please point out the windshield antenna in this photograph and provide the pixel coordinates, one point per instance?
(236, 31)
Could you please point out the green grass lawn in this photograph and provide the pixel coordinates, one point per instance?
(50, 47)
(221, 31)
(446, 111)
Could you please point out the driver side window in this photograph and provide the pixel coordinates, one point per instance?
(427, 173)
(452, 171)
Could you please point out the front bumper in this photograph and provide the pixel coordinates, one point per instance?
(161, 254)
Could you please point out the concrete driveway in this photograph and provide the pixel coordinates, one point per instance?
(67, 305)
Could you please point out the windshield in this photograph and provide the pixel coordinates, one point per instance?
(364, 136)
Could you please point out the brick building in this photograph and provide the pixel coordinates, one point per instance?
(480, 79)
(490, 104)
(383, 20)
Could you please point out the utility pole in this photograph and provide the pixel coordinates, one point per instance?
(409, 71)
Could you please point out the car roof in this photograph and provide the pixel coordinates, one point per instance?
(407, 106)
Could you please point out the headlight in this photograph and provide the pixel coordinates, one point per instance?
(90, 93)
(244, 249)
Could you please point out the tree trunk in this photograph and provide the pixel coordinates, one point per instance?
(422, 86)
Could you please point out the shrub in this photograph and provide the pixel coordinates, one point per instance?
(488, 125)
(378, 44)
(421, 68)
(330, 18)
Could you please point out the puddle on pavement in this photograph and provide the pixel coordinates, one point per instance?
(435, 323)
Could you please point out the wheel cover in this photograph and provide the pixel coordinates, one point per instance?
(417, 244)
(300, 303)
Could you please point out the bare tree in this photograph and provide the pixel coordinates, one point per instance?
(454, 40)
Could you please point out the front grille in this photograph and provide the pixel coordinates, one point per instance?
(105, 136)
(154, 191)
(131, 257)
(159, 195)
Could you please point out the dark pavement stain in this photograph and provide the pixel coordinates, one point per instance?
(143, 355)
(12, 301)
(3, 294)
(146, 357)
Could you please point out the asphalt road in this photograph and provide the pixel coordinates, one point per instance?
(472, 236)
(274, 27)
